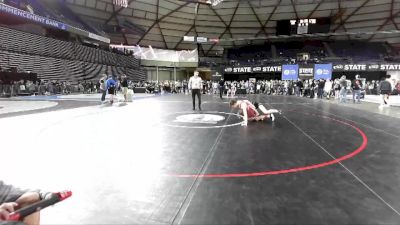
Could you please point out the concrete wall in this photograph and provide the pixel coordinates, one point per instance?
(165, 75)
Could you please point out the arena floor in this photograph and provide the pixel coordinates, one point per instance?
(155, 161)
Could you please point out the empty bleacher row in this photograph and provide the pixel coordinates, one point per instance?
(53, 59)
(49, 68)
(17, 41)
(359, 50)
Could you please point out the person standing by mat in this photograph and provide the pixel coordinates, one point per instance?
(103, 88)
(221, 85)
(343, 89)
(111, 85)
(385, 88)
(195, 85)
(356, 86)
(124, 85)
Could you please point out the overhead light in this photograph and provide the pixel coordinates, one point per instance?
(121, 3)
(205, 2)
(216, 2)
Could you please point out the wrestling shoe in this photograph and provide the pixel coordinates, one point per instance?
(274, 111)
(272, 117)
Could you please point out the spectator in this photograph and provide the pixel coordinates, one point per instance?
(12, 199)
(221, 84)
(111, 86)
(185, 86)
(124, 85)
(306, 88)
(321, 86)
(298, 87)
(397, 88)
(328, 88)
(336, 86)
(103, 88)
(385, 88)
(356, 86)
(312, 89)
(343, 89)
(195, 85)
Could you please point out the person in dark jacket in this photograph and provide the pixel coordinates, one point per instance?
(385, 88)
(221, 84)
(298, 87)
(124, 85)
(321, 86)
(356, 86)
(312, 89)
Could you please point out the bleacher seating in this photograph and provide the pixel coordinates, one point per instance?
(59, 60)
(250, 52)
(319, 52)
(359, 50)
(291, 49)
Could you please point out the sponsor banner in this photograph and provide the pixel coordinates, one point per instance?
(366, 67)
(306, 72)
(188, 38)
(49, 22)
(271, 69)
(355, 67)
(254, 69)
(245, 69)
(338, 67)
(214, 40)
(30, 16)
(290, 72)
(350, 67)
(323, 71)
(201, 39)
(228, 70)
(373, 67)
(389, 67)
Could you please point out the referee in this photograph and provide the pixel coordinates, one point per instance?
(196, 84)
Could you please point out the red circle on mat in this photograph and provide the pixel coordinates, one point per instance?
(296, 169)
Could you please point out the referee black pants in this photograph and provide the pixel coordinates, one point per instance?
(221, 92)
(194, 93)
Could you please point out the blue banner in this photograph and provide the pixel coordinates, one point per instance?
(323, 71)
(290, 72)
(49, 22)
(30, 16)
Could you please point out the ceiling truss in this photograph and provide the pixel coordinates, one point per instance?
(228, 20)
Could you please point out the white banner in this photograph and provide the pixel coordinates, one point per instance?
(164, 55)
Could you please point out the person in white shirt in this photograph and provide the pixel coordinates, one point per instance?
(328, 88)
(195, 85)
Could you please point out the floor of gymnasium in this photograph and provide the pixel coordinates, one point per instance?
(155, 161)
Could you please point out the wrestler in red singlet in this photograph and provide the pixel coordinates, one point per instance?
(251, 110)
